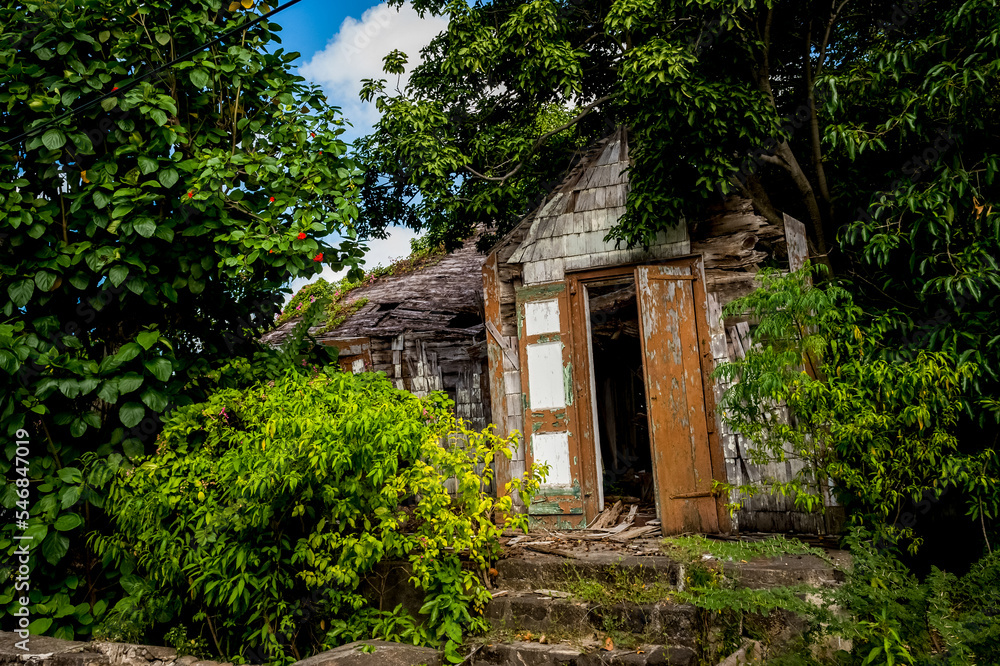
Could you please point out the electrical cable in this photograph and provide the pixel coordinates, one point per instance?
(134, 82)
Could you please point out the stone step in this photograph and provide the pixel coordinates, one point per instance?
(44, 651)
(662, 622)
(534, 571)
(535, 654)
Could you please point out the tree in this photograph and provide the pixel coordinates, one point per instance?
(144, 238)
(763, 98)
(874, 122)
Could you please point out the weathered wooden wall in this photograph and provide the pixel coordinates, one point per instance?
(735, 243)
(422, 362)
(566, 233)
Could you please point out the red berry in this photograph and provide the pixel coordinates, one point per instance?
(302, 235)
(318, 257)
(272, 199)
(190, 194)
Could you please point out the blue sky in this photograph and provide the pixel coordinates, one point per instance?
(309, 25)
(341, 43)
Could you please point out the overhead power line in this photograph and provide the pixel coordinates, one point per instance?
(134, 82)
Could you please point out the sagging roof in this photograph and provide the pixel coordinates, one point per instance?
(568, 231)
(446, 296)
(589, 201)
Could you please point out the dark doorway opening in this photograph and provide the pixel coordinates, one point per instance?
(620, 391)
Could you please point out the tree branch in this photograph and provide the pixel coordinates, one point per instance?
(834, 12)
(540, 141)
(814, 135)
(808, 195)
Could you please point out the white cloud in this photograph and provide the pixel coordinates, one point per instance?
(380, 253)
(356, 53)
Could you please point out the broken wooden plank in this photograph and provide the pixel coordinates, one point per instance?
(635, 533)
(551, 551)
(608, 517)
(499, 339)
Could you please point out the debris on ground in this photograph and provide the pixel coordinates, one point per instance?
(621, 522)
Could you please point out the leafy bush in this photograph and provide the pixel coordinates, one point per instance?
(815, 388)
(143, 244)
(893, 617)
(263, 510)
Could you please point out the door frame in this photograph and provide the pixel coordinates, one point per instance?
(583, 378)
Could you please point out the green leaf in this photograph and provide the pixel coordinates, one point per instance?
(101, 198)
(168, 177)
(131, 413)
(54, 139)
(122, 210)
(77, 428)
(70, 475)
(70, 496)
(169, 291)
(154, 399)
(148, 338)
(161, 368)
(199, 77)
(45, 280)
(40, 626)
(20, 292)
(158, 117)
(129, 382)
(117, 274)
(109, 391)
(79, 280)
(68, 521)
(128, 352)
(162, 38)
(8, 362)
(147, 165)
(54, 548)
(145, 227)
(36, 531)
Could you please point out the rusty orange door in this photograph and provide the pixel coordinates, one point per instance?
(673, 350)
(543, 324)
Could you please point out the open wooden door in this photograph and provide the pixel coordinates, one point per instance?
(546, 381)
(677, 362)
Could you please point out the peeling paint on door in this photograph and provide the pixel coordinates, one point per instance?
(678, 422)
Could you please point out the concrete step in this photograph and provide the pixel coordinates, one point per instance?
(532, 571)
(535, 570)
(662, 622)
(534, 654)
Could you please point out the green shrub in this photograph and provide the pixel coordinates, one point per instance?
(883, 431)
(894, 617)
(263, 510)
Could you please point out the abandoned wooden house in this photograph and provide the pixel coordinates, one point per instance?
(423, 329)
(602, 357)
